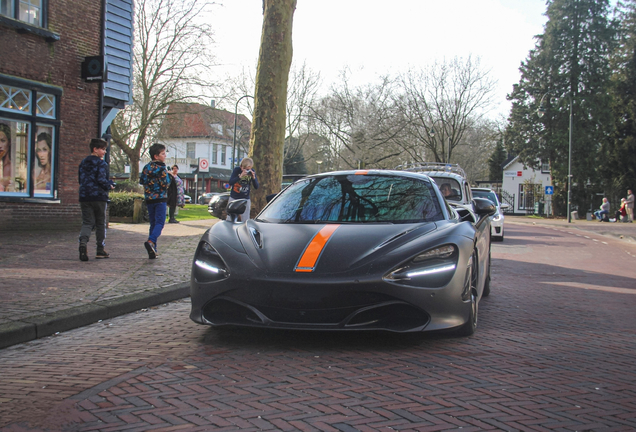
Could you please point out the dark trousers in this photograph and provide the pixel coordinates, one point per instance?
(171, 211)
(93, 216)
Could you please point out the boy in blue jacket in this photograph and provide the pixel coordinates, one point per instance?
(93, 175)
(155, 180)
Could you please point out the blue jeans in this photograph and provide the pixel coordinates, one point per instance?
(599, 214)
(157, 215)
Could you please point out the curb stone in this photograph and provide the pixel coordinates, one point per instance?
(40, 326)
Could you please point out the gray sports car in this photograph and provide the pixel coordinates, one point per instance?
(348, 250)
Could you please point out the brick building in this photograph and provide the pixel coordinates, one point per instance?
(53, 100)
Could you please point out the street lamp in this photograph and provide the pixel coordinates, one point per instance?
(540, 112)
(234, 140)
(432, 134)
(319, 162)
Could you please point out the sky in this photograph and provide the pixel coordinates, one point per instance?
(374, 38)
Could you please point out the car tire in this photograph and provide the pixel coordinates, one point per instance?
(471, 325)
(486, 292)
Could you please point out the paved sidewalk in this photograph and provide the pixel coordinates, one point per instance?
(620, 230)
(45, 288)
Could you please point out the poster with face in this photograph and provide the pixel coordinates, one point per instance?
(42, 168)
(14, 137)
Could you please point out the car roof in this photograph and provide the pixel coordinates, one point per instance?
(482, 189)
(434, 167)
(397, 173)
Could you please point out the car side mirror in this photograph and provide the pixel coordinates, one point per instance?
(504, 206)
(236, 208)
(270, 197)
(484, 207)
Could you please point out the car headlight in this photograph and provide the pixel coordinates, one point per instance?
(208, 264)
(497, 217)
(432, 268)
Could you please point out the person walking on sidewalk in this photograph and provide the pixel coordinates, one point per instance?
(629, 205)
(93, 175)
(155, 180)
(241, 180)
(175, 194)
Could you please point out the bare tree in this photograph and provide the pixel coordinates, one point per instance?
(302, 91)
(360, 125)
(270, 96)
(448, 98)
(171, 53)
(476, 147)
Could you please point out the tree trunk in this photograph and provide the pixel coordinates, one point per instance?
(270, 97)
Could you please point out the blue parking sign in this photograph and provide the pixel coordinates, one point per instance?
(549, 190)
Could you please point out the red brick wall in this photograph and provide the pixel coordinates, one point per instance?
(78, 23)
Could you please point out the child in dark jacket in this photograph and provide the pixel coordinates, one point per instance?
(241, 180)
(155, 180)
(93, 175)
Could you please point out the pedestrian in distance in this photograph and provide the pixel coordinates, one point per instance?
(242, 179)
(621, 213)
(93, 176)
(629, 205)
(155, 180)
(175, 194)
(603, 211)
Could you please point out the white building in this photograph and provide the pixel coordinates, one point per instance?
(522, 188)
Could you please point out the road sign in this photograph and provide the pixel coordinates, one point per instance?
(549, 190)
(204, 166)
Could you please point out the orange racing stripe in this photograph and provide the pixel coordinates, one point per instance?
(309, 258)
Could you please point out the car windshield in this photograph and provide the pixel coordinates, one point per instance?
(486, 194)
(355, 198)
(450, 188)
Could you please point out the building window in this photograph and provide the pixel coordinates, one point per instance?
(215, 151)
(545, 168)
(528, 195)
(217, 128)
(28, 11)
(28, 140)
(191, 150)
(223, 155)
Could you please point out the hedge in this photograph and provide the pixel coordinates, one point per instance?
(122, 204)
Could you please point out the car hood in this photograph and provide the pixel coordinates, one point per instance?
(326, 248)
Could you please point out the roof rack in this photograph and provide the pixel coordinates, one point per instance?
(433, 166)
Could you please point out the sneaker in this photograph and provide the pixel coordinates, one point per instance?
(150, 247)
(102, 254)
(82, 253)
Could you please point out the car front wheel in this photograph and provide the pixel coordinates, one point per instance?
(471, 324)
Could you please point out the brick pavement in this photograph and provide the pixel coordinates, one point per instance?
(45, 289)
(554, 352)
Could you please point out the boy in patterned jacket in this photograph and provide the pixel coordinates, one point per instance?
(155, 180)
(93, 175)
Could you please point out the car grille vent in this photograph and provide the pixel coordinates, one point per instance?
(389, 316)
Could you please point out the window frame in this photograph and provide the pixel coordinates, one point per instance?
(191, 150)
(35, 121)
(12, 20)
